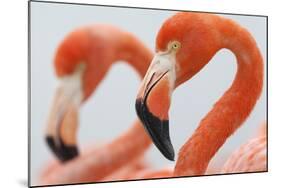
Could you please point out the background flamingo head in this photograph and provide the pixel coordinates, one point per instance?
(83, 55)
(79, 64)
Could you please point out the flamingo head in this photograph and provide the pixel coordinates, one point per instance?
(76, 73)
(184, 45)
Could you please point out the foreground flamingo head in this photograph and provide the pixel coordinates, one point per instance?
(184, 45)
(188, 40)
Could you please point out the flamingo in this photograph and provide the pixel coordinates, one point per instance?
(81, 62)
(184, 45)
(250, 157)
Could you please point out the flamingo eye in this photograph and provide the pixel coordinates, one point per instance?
(175, 45)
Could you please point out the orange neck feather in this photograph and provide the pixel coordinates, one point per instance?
(233, 107)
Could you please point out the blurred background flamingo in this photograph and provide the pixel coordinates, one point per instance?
(185, 44)
(81, 62)
(251, 156)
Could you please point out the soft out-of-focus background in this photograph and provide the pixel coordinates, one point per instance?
(191, 101)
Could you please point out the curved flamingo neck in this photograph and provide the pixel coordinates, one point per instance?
(232, 109)
(107, 45)
(133, 52)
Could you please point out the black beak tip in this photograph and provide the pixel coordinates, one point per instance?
(161, 138)
(62, 151)
(170, 155)
(157, 129)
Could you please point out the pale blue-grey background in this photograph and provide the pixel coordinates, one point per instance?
(116, 95)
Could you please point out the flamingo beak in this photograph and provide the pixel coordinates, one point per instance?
(153, 101)
(62, 124)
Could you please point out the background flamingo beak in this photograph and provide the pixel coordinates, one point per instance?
(62, 127)
(152, 105)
